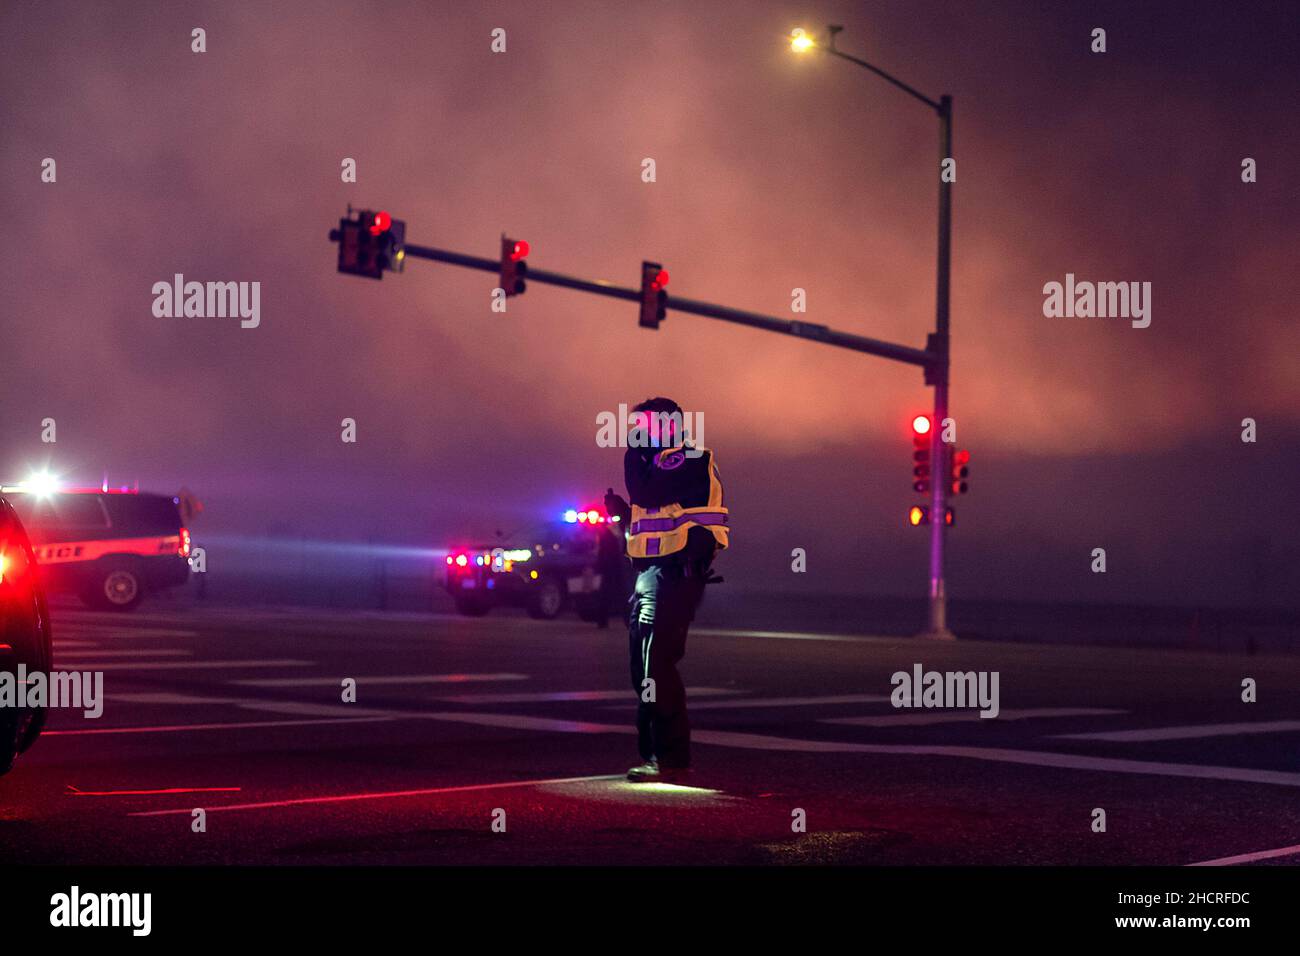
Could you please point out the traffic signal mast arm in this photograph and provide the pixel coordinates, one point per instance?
(804, 330)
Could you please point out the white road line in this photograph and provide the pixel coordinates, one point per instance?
(1250, 857)
(788, 701)
(121, 633)
(181, 728)
(58, 644)
(191, 665)
(163, 697)
(968, 716)
(383, 795)
(788, 635)
(157, 652)
(524, 722)
(1032, 758)
(376, 681)
(570, 695)
(1192, 732)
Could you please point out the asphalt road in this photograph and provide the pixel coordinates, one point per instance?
(459, 722)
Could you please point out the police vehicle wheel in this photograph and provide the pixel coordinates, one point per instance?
(8, 739)
(26, 629)
(547, 601)
(469, 607)
(115, 587)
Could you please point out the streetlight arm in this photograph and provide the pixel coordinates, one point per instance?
(911, 91)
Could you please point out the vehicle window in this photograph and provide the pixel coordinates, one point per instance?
(145, 513)
(59, 511)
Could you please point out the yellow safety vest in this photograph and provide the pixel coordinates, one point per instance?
(655, 532)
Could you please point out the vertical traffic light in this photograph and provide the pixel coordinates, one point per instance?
(371, 244)
(654, 300)
(392, 241)
(921, 455)
(514, 268)
(960, 472)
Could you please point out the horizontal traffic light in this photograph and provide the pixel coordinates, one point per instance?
(919, 515)
(371, 244)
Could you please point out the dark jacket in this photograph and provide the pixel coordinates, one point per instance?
(687, 485)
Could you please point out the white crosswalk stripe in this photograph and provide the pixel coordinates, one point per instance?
(387, 679)
(1191, 732)
(969, 716)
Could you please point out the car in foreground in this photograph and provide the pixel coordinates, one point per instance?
(24, 634)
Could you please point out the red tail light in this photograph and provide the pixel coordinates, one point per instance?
(13, 562)
(185, 543)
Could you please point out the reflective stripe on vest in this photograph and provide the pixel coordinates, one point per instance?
(654, 532)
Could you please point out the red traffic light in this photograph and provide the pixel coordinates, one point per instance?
(921, 424)
(654, 300)
(381, 223)
(513, 267)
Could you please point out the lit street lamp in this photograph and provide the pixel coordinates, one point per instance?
(936, 373)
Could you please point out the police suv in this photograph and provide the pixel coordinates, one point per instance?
(575, 562)
(109, 546)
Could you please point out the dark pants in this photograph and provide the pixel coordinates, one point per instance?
(663, 607)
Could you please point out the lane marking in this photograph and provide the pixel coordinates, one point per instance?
(384, 795)
(524, 722)
(788, 701)
(195, 665)
(181, 728)
(63, 644)
(158, 652)
(790, 635)
(120, 633)
(1191, 732)
(970, 716)
(166, 697)
(571, 695)
(1250, 857)
(1034, 758)
(74, 792)
(376, 681)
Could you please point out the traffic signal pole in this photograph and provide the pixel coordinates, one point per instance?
(940, 457)
(937, 372)
(803, 330)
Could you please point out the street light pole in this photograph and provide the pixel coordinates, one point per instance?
(937, 371)
(939, 450)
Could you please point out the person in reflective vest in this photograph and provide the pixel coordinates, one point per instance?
(675, 521)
